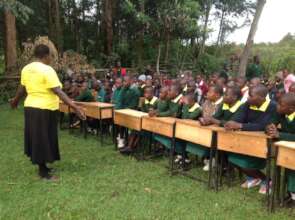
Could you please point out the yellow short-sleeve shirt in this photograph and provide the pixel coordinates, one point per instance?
(39, 79)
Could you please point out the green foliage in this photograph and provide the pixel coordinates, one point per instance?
(20, 10)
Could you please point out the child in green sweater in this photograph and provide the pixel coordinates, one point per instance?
(286, 109)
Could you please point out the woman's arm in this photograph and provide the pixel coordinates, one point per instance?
(21, 92)
(69, 102)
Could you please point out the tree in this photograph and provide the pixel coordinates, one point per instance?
(247, 49)
(10, 41)
(55, 30)
(12, 9)
(108, 25)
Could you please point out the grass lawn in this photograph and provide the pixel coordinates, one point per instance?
(98, 183)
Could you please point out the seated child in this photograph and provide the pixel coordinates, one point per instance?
(255, 115)
(231, 105)
(286, 109)
(128, 99)
(150, 104)
(163, 103)
(85, 94)
(190, 110)
(209, 107)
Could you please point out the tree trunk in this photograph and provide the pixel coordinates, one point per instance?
(140, 43)
(108, 19)
(205, 29)
(76, 24)
(220, 27)
(158, 59)
(55, 32)
(247, 48)
(167, 44)
(10, 41)
(97, 25)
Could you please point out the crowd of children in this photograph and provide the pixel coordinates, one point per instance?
(234, 103)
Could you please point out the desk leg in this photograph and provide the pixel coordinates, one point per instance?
(283, 191)
(115, 131)
(172, 151)
(212, 148)
(113, 127)
(101, 128)
(274, 185)
(268, 172)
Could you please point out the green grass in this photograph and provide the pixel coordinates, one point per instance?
(98, 183)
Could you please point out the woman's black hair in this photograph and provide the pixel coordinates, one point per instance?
(41, 51)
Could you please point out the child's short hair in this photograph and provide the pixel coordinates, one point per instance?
(236, 91)
(217, 89)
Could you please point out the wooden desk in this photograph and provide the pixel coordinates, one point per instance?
(64, 108)
(243, 142)
(97, 110)
(159, 125)
(192, 131)
(286, 154)
(285, 158)
(129, 118)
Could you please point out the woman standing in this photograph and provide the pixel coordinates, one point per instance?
(43, 88)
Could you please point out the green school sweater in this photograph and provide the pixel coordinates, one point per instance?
(129, 98)
(287, 133)
(174, 108)
(116, 99)
(193, 112)
(149, 104)
(85, 96)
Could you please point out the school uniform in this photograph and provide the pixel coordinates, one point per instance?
(162, 107)
(149, 104)
(85, 96)
(129, 98)
(174, 110)
(287, 133)
(208, 109)
(253, 119)
(117, 97)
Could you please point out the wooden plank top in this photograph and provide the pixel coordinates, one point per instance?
(131, 112)
(165, 120)
(95, 104)
(286, 144)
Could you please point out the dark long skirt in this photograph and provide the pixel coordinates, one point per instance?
(41, 138)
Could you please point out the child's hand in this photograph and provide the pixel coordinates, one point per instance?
(232, 125)
(205, 121)
(272, 131)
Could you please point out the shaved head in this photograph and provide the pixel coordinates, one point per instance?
(260, 90)
(289, 99)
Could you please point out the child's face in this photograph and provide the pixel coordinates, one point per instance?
(163, 94)
(148, 94)
(67, 85)
(284, 108)
(172, 93)
(189, 101)
(229, 98)
(118, 83)
(292, 88)
(255, 99)
(212, 95)
(149, 82)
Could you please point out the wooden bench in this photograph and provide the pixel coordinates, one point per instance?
(285, 158)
